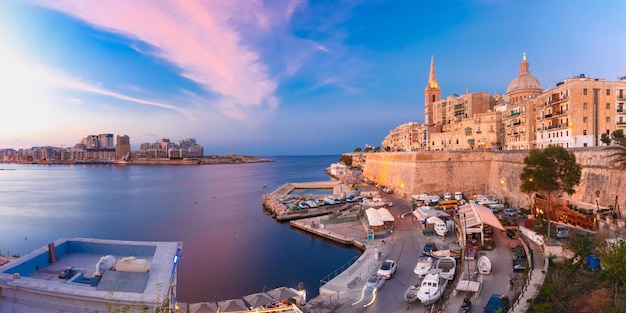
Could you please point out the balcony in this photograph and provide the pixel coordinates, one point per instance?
(548, 115)
(620, 110)
(517, 123)
(621, 97)
(515, 113)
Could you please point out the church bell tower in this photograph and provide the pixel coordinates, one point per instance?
(432, 93)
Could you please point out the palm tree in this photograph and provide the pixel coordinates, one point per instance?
(619, 154)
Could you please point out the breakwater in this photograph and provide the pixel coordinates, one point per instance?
(489, 172)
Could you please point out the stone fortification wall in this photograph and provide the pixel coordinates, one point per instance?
(489, 172)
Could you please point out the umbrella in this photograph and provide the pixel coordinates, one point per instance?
(203, 307)
(233, 305)
(258, 299)
(282, 293)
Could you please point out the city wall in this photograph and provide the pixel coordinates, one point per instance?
(489, 172)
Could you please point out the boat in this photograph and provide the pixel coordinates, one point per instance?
(312, 203)
(410, 295)
(446, 267)
(303, 205)
(440, 226)
(483, 264)
(329, 200)
(446, 253)
(432, 288)
(424, 265)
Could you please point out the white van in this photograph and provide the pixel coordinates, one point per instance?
(562, 231)
(458, 196)
(447, 196)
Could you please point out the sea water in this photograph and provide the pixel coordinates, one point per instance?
(231, 247)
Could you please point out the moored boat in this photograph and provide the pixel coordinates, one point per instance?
(424, 265)
(410, 295)
(432, 288)
(446, 267)
(483, 264)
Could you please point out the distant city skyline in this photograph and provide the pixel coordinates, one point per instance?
(276, 77)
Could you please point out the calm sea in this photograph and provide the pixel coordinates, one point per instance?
(231, 247)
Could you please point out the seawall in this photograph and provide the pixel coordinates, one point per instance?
(489, 172)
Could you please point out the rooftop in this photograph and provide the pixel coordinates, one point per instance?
(69, 270)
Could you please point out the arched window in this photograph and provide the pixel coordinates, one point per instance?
(434, 98)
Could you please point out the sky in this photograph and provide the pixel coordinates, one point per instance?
(277, 77)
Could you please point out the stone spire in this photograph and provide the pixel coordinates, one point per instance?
(432, 77)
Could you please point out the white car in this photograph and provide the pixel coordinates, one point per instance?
(387, 269)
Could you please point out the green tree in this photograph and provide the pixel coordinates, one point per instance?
(387, 148)
(606, 139)
(346, 159)
(357, 149)
(613, 260)
(618, 135)
(550, 171)
(367, 149)
(619, 154)
(377, 149)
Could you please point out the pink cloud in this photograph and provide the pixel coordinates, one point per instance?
(200, 37)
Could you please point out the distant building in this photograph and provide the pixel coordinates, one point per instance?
(575, 113)
(186, 148)
(122, 148)
(75, 275)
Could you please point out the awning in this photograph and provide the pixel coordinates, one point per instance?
(476, 214)
(283, 293)
(203, 307)
(373, 218)
(234, 305)
(424, 212)
(385, 215)
(258, 299)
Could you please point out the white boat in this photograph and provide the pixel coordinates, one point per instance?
(329, 200)
(483, 264)
(410, 295)
(446, 267)
(424, 265)
(432, 288)
(440, 226)
(303, 205)
(312, 203)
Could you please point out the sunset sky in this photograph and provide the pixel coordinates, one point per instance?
(277, 77)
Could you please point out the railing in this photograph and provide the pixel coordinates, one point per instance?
(338, 271)
(548, 115)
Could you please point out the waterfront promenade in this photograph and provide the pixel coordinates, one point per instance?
(342, 292)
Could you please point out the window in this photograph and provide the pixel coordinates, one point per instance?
(608, 105)
(584, 132)
(585, 105)
(584, 91)
(608, 92)
(584, 119)
(608, 119)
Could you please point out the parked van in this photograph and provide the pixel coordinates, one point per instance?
(458, 196)
(447, 204)
(447, 196)
(562, 231)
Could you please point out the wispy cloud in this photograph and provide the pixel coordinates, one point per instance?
(202, 38)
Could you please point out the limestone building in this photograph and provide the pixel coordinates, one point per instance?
(574, 113)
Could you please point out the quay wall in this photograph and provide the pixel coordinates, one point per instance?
(489, 172)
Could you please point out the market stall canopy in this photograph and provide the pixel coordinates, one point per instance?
(258, 299)
(233, 305)
(475, 214)
(203, 307)
(385, 215)
(283, 293)
(424, 212)
(373, 218)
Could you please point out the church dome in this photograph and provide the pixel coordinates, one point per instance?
(524, 81)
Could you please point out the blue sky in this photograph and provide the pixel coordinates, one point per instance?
(277, 77)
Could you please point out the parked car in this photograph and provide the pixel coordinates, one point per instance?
(562, 231)
(429, 247)
(497, 303)
(374, 282)
(509, 212)
(387, 269)
(447, 196)
(458, 196)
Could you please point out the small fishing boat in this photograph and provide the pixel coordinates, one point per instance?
(424, 265)
(411, 294)
(483, 264)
